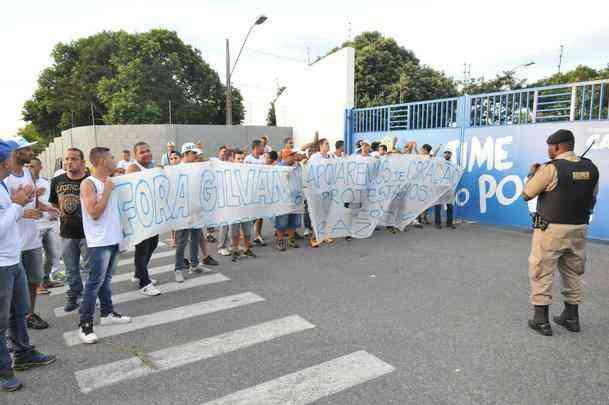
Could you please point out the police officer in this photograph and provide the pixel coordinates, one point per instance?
(566, 189)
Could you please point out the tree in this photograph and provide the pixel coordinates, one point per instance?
(387, 73)
(580, 74)
(503, 82)
(30, 133)
(128, 79)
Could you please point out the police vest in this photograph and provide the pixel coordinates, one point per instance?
(572, 199)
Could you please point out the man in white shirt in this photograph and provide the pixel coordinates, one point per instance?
(103, 232)
(48, 226)
(31, 243)
(126, 162)
(265, 144)
(14, 295)
(257, 158)
(171, 147)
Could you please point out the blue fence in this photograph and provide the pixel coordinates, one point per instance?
(495, 137)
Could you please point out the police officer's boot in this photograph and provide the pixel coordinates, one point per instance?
(569, 318)
(541, 322)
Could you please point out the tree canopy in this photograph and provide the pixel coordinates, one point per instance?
(387, 73)
(129, 79)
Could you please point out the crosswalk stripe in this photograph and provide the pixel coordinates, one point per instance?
(108, 374)
(172, 315)
(164, 288)
(159, 255)
(121, 277)
(313, 383)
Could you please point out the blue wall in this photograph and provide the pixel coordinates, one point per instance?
(496, 160)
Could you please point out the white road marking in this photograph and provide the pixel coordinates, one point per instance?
(164, 288)
(108, 374)
(313, 383)
(172, 315)
(122, 277)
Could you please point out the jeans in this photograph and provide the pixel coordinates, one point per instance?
(245, 227)
(287, 221)
(224, 241)
(182, 238)
(143, 252)
(449, 214)
(71, 250)
(102, 263)
(50, 245)
(14, 307)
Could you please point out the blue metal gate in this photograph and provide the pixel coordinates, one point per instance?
(495, 137)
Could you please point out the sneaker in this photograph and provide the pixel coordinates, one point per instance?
(298, 236)
(150, 290)
(86, 333)
(280, 245)
(329, 241)
(35, 322)
(348, 238)
(249, 253)
(179, 276)
(71, 305)
(42, 291)
(224, 252)
(259, 241)
(198, 269)
(438, 226)
(211, 238)
(306, 233)
(34, 359)
(235, 255)
(313, 242)
(186, 263)
(114, 318)
(210, 261)
(53, 284)
(292, 243)
(59, 276)
(8, 381)
(136, 280)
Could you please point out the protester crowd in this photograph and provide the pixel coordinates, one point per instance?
(67, 219)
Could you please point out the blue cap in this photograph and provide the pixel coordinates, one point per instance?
(6, 148)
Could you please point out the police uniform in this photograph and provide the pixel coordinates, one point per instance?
(566, 189)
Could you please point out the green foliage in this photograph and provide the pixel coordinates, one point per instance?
(30, 133)
(387, 73)
(580, 74)
(505, 81)
(129, 79)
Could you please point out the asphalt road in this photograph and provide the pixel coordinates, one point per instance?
(423, 317)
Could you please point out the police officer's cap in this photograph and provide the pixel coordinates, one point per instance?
(560, 136)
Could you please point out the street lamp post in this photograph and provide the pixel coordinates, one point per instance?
(229, 72)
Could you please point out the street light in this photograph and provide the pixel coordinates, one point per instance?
(512, 71)
(229, 71)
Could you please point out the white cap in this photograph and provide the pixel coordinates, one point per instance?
(190, 147)
(21, 142)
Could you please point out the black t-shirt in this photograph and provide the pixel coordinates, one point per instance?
(65, 192)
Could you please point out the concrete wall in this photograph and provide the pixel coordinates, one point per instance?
(119, 137)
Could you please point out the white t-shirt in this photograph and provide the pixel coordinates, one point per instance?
(317, 157)
(45, 222)
(10, 242)
(28, 228)
(124, 164)
(105, 230)
(253, 160)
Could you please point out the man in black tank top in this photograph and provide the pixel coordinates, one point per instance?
(566, 189)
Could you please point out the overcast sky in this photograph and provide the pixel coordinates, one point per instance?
(492, 36)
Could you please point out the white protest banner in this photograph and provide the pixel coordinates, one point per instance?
(208, 194)
(351, 196)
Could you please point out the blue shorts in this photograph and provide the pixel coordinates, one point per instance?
(287, 221)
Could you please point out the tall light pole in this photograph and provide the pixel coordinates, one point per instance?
(512, 71)
(229, 71)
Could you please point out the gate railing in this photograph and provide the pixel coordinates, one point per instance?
(570, 102)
